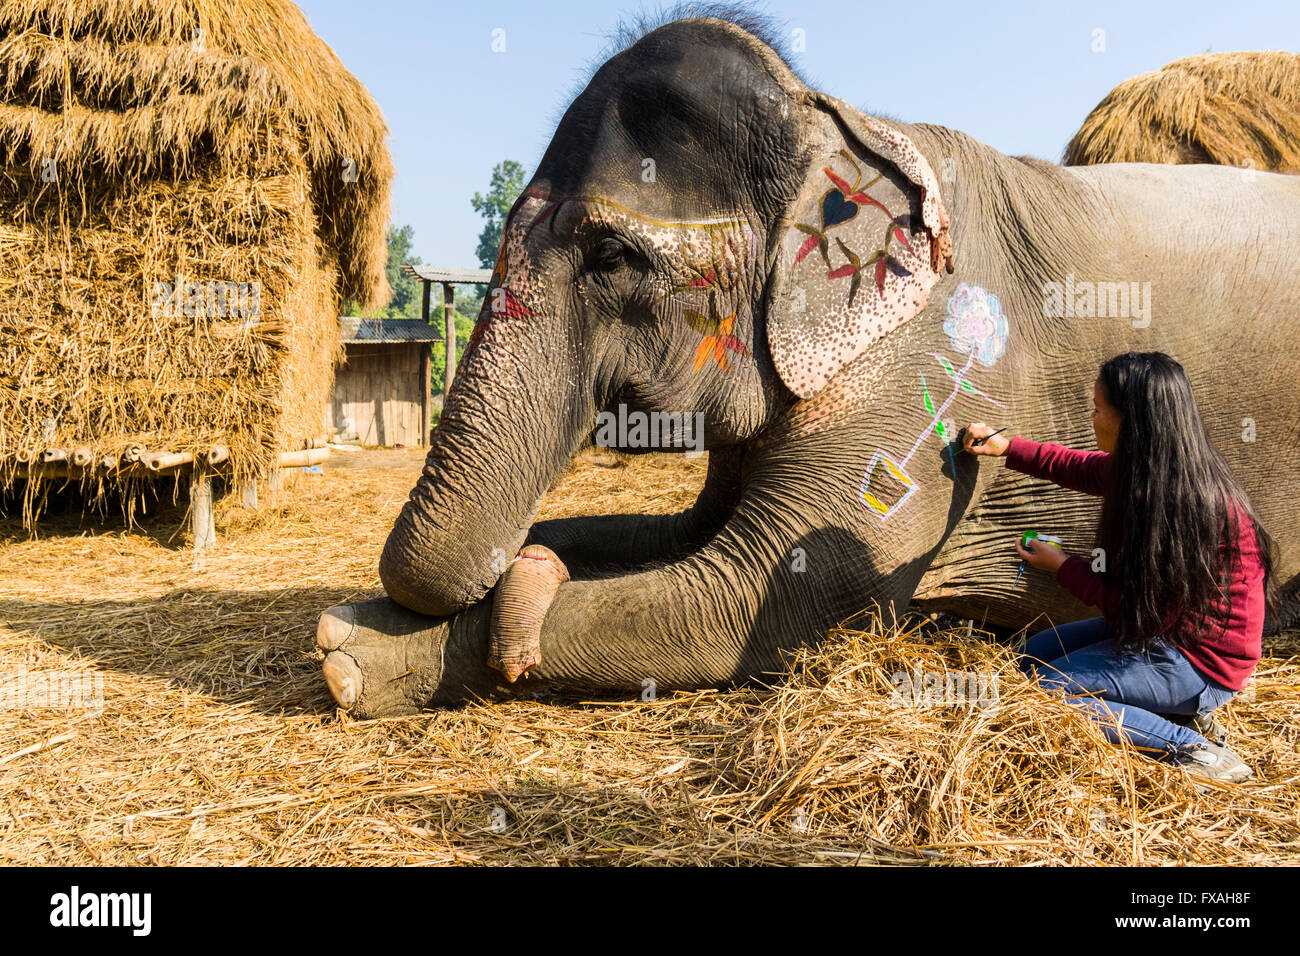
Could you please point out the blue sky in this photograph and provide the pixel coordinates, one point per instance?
(1019, 75)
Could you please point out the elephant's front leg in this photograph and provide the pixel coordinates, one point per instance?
(384, 659)
(723, 614)
(677, 627)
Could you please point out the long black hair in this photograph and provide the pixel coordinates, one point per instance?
(1168, 509)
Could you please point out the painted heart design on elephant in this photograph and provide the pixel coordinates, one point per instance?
(836, 209)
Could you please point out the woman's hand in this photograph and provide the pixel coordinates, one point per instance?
(995, 447)
(1044, 556)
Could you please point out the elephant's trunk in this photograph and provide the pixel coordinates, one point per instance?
(512, 422)
(519, 607)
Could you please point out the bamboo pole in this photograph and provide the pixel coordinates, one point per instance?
(151, 465)
(158, 461)
(217, 454)
(54, 454)
(81, 456)
(40, 471)
(304, 458)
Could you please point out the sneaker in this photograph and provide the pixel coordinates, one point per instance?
(1213, 762)
(1207, 725)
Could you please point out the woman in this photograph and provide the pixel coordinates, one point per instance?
(1186, 568)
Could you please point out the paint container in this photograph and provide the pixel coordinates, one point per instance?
(1028, 536)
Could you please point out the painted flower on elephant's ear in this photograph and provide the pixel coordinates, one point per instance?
(881, 259)
(838, 205)
(841, 204)
(975, 323)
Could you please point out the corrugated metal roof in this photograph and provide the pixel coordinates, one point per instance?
(438, 274)
(357, 330)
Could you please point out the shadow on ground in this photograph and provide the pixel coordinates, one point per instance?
(155, 509)
(246, 647)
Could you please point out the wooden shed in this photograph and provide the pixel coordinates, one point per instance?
(381, 391)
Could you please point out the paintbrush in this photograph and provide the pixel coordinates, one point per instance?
(980, 441)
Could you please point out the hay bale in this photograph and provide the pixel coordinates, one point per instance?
(187, 192)
(1233, 109)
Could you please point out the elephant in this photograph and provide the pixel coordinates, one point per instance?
(827, 294)
(1233, 109)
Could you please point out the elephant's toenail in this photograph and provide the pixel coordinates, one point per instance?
(336, 626)
(343, 678)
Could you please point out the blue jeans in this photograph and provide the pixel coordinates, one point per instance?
(1126, 692)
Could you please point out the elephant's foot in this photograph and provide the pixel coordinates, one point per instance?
(380, 659)
(522, 598)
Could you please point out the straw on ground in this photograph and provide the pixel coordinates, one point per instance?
(217, 742)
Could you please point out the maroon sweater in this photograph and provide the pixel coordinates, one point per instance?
(1226, 655)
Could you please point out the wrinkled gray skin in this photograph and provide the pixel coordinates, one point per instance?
(714, 595)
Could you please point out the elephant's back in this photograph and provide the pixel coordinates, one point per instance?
(1246, 220)
(1203, 188)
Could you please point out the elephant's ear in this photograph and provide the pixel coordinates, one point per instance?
(868, 235)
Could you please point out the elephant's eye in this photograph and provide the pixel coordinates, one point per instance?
(609, 255)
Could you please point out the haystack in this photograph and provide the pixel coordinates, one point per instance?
(1233, 109)
(188, 189)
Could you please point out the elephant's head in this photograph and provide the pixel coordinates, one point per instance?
(704, 235)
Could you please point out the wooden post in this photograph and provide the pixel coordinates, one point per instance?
(425, 367)
(250, 496)
(425, 424)
(449, 314)
(205, 532)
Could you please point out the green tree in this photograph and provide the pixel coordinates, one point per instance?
(508, 182)
(467, 308)
(405, 303)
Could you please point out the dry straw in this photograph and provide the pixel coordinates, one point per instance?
(1232, 109)
(218, 744)
(214, 145)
